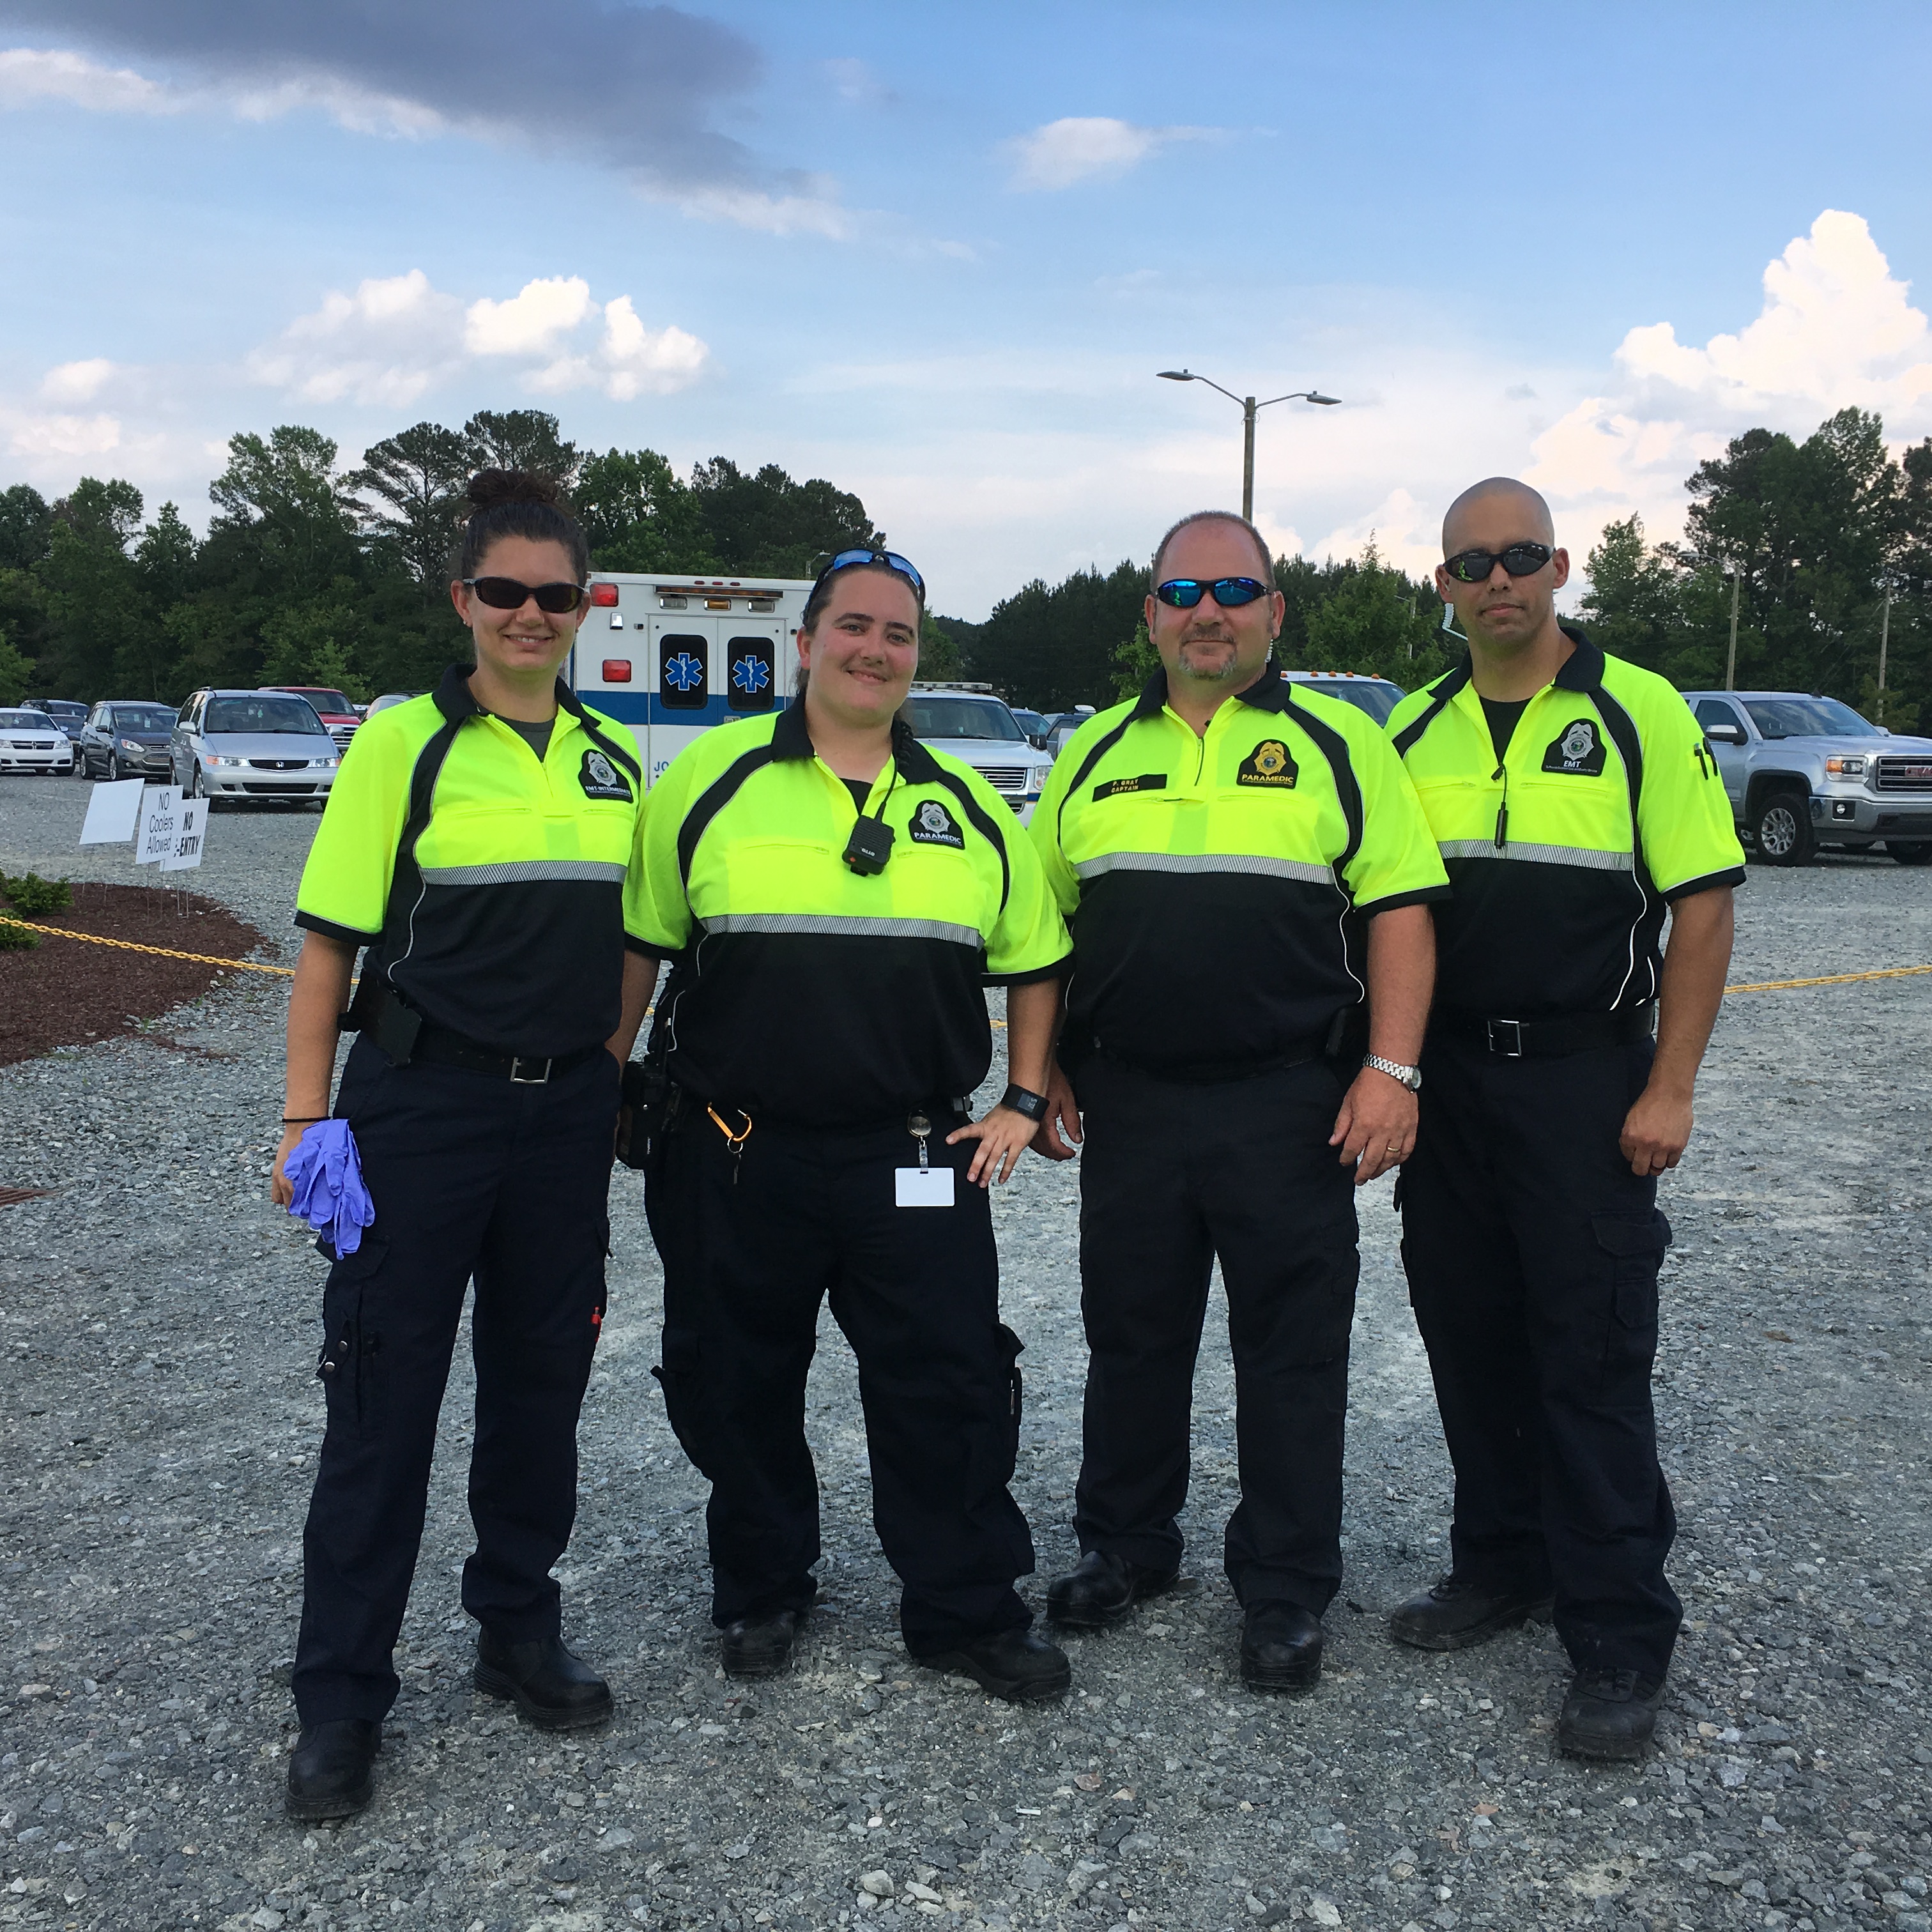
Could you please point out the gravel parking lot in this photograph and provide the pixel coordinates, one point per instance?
(161, 1417)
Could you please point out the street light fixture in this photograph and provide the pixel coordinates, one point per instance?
(1248, 407)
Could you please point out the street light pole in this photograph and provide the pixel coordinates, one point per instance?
(1248, 407)
(1731, 661)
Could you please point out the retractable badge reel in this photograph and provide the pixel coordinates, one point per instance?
(924, 1186)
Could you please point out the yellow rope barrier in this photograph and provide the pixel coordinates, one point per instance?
(161, 952)
(1830, 980)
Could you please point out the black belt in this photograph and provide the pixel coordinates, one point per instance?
(1549, 1038)
(1315, 1047)
(400, 1032)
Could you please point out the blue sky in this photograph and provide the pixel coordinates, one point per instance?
(937, 253)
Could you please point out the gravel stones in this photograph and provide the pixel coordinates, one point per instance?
(159, 1418)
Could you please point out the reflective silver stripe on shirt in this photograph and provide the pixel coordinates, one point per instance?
(1206, 861)
(841, 925)
(1541, 855)
(514, 871)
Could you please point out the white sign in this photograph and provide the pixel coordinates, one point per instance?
(160, 824)
(190, 831)
(113, 813)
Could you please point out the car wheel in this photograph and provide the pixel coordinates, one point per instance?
(1910, 851)
(114, 768)
(191, 785)
(1783, 829)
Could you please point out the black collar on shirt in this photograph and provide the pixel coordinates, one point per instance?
(791, 738)
(1269, 691)
(1583, 669)
(457, 701)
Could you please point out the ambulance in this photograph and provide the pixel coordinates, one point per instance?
(670, 655)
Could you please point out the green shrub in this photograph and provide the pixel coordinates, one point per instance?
(17, 938)
(33, 897)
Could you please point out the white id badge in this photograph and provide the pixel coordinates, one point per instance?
(922, 1187)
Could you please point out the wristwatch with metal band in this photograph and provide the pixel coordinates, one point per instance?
(1023, 1100)
(1410, 1077)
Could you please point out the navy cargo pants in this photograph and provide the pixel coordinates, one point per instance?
(1532, 1253)
(752, 1243)
(1172, 1176)
(472, 1176)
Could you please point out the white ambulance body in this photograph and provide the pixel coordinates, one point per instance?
(670, 655)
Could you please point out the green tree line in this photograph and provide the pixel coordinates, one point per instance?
(312, 572)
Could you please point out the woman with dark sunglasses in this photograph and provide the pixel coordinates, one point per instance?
(481, 843)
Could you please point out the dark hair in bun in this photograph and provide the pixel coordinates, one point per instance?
(518, 503)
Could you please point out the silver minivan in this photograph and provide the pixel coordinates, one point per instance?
(249, 746)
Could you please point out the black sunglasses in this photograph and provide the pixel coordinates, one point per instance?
(1230, 593)
(1520, 559)
(851, 560)
(505, 593)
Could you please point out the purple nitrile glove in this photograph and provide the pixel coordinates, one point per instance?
(327, 1177)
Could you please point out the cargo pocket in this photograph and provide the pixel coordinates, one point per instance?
(1010, 1346)
(678, 1375)
(349, 1365)
(1633, 1248)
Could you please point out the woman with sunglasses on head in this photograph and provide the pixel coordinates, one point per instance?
(480, 843)
(836, 897)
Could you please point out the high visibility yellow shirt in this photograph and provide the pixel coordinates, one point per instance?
(1217, 886)
(805, 992)
(494, 890)
(1605, 806)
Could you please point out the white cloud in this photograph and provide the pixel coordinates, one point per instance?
(1836, 329)
(816, 212)
(1090, 148)
(31, 76)
(396, 337)
(57, 436)
(76, 382)
(530, 321)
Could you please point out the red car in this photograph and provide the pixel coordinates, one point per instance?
(340, 717)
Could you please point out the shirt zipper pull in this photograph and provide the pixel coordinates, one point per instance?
(1502, 809)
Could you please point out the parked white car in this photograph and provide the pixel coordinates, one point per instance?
(977, 728)
(30, 741)
(246, 746)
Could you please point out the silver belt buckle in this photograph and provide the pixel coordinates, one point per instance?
(520, 1079)
(1508, 1044)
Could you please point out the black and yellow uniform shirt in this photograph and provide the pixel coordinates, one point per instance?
(805, 992)
(1565, 851)
(1216, 886)
(496, 888)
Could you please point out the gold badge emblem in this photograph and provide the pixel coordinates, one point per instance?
(1268, 764)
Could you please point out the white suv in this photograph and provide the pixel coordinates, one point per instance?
(976, 726)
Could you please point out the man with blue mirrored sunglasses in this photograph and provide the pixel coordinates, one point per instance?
(1246, 872)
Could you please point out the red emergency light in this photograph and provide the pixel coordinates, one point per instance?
(603, 596)
(617, 670)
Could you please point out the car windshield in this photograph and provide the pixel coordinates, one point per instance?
(961, 718)
(1808, 718)
(143, 718)
(293, 715)
(331, 701)
(58, 707)
(1371, 694)
(25, 721)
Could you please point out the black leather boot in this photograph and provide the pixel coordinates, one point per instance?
(760, 1646)
(1281, 1648)
(1609, 1715)
(1101, 1589)
(554, 1688)
(329, 1771)
(1452, 1614)
(1012, 1664)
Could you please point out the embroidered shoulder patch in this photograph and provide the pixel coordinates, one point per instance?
(1577, 748)
(1119, 788)
(932, 824)
(1268, 764)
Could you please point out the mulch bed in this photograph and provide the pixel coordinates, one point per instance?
(66, 992)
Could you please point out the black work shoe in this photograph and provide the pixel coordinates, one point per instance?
(328, 1772)
(1013, 1664)
(1281, 1648)
(759, 1646)
(1609, 1715)
(1452, 1614)
(1101, 1589)
(551, 1686)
